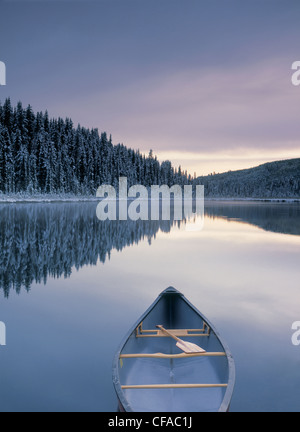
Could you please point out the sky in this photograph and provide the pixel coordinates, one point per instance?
(205, 84)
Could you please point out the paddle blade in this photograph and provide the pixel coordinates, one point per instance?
(189, 347)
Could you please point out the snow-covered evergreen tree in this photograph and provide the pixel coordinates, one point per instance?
(43, 155)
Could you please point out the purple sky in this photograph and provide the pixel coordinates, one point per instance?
(205, 84)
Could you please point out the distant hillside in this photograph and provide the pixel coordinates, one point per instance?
(271, 180)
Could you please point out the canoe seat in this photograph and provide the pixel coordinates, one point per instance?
(205, 331)
(173, 356)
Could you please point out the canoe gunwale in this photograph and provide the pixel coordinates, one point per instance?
(124, 404)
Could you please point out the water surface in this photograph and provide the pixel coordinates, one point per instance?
(71, 286)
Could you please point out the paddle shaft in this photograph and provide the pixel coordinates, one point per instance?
(169, 333)
(186, 347)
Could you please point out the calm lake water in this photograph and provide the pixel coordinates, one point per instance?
(72, 286)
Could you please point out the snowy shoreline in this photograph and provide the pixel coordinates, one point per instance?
(19, 198)
(262, 200)
(11, 199)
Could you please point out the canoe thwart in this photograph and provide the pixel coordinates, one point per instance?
(204, 331)
(171, 386)
(173, 356)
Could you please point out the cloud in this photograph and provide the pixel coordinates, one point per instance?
(205, 110)
(207, 119)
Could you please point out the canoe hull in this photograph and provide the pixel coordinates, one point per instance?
(151, 374)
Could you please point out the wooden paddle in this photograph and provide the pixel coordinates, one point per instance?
(186, 347)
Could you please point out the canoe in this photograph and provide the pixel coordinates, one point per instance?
(151, 374)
